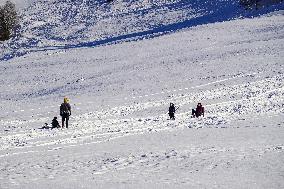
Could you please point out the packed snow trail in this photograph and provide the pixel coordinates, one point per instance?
(260, 98)
(80, 105)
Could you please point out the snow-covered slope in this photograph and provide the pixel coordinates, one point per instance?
(52, 24)
(119, 136)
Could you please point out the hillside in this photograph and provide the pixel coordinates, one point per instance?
(65, 24)
(119, 134)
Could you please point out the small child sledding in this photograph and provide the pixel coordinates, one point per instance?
(55, 123)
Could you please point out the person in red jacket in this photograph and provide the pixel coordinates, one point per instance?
(199, 111)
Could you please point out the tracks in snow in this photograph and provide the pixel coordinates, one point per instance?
(223, 105)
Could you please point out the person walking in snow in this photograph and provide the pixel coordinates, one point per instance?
(65, 112)
(172, 110)
(199, 111)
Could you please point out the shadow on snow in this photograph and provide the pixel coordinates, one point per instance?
(216, 11)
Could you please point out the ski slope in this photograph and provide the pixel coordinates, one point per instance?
(120, 135)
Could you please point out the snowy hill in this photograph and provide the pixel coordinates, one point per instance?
(84, 23)
(119, 134)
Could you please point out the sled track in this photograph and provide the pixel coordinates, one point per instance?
(251, 101)
(80, 105)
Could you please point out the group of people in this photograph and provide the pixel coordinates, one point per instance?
(65, 113)
(199, 111)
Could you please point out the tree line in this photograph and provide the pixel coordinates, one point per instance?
(8, 20)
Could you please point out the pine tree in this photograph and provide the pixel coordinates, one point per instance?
(8, 20)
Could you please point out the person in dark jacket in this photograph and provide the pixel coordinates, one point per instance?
(65, 112)
(172, 110)
(199, 111)
(55, 123)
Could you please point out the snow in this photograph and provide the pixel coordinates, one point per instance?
(85, 23)
(120, 135)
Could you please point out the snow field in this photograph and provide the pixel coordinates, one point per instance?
(256, 99)
(114, 142)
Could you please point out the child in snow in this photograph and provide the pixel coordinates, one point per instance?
(55, 123)
(199, 111)
(172, 110)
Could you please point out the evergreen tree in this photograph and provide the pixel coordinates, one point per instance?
(8, 20)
